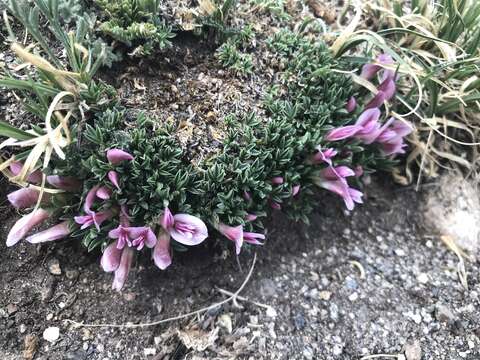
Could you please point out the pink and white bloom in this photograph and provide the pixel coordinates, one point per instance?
(21, 228)
(121, 272)
(234, 234)
(275, 205)
(113, 177)
(391, 137)
(56, 232)
(25, 198)
(66, 183)
(117, 156)
(183, 228)
(162, 254)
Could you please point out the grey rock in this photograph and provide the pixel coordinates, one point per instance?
(413, 351)
(444, 314)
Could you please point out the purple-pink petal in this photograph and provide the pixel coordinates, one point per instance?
(234, 234)
(24, 198)
(123, 269)
(295, 190)
(116, 156)
(377, 100)
(167, 220)
(35, 177)
(351, 104)
(343, 132)
(253, 238)
(113, 177)
(110, 260)
(90, 199)
(20, 229)
(277, 180)
(56, 232)
(251, 217)
(388, 87)
(161, 253)
(104, 193)
(66, 183)
(188, 229)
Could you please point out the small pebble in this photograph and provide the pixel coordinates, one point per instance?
(51, 334)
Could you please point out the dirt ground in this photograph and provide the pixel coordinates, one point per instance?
(370, 282)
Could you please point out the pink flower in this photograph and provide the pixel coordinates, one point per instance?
(295, 190)
(66, 183)
(110, 260)
(253, 238)
(247, 196)
(56, 232)
(278, 180)
(113, 177)
(116, 156)
(370, 127)
(377, 100)
(93, 218)
(334, 180)
(103, 193)
(25, 224)
(275, 205)
(351, 104)
(358, 171)
(343, 132)
(25, 198)
(34, 178)
(251, 217)
(122, 234)
(121, 272)
(184, 228)
(142, 236)
(370, 70)
(90, 199)
(323, 156)
(234, 234)
(391, 136)
(162, 255)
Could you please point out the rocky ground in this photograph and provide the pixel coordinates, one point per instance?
(373, 281)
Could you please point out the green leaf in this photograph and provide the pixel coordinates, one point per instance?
(10, 131)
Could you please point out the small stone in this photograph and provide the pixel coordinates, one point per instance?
(413, 351)
(267, 288)
(30, 346)
(72, 274)
(422, 278)
(149, 351)
(225, 321)
(85, 346)
(444, 314)
(100, 348)
(353, 297)
(51, 334)
(129, 296)
(399, 252)
(22, 328)
(49, 317)
(54, 267)
(299, 321)
(325, 295)
(271, 312)
(11, 309)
